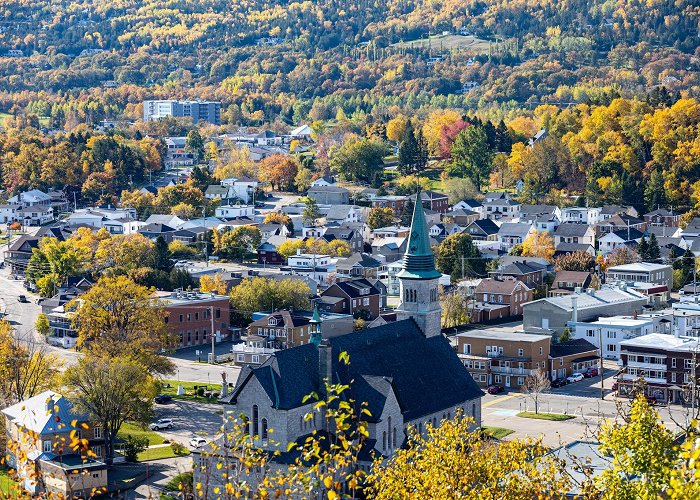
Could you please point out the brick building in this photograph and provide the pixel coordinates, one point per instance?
(508, 290)
(189, 317)
(359, 298)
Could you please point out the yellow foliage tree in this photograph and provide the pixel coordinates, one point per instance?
(214, 284)
(539, 244)
(432, 128)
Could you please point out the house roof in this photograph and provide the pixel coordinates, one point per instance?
(505, 287)
(425, 374)
(327, 189)
(603, 297)
(487, 226)
(339, 212)
(156, 228)
(518, 229)
(282, 318)
(570, 348)
(353, 288)
(508, 336)
(530, 210)
(520, 268)
(662, 212)
(571, 229)
(638, 267)
(572, 247)
(571, 276)
(363, 259)
(48, 412)
(622, 234)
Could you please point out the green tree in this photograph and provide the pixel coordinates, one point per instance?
(653, 252)
(380, 217)
(161, 258)
(311, 212)
(359, 160)
(407, 213)
(408, 150)
(195, 144)
(471, 156)
(655, 194)
(458, 256)
(303, 179)
(41, 325)
(261, 294)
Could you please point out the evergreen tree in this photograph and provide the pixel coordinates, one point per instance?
(643, 249)
(654, 194)
(504, 141)
(471, 156)
(407, 213)
(491, 135)
(160, 257)
(195, 144)
(200, 177)
(687, 266)
(653, 250)
(408, 151)
(422, 152)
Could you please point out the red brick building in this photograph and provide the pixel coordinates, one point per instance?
(506, 291)
(190, 317)
(359, 298)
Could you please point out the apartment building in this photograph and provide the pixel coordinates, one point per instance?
(208, 111)
(189, 317)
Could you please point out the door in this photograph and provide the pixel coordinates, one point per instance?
(507, 381)
(545, 323)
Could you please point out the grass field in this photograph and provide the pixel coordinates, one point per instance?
(136, 431)
(7, 485)
(556, 417)
(158, 453)
(497, 432)
(170, 388)
(448, 42)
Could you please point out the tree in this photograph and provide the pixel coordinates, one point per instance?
(216, 284)
(653, 251)
(453, 461)
(396, 128)
(184, 211)
(535, 385)
(290, 246)
(380, 217)
(112, 390)
(280, 218)
(410, 184)
(575, 261)
(643, 249)
(280, 170)
(195, 144)
(655, 194)
(161, 257)
(311, 212)
(455, 311)
(41, 325)
(408, 151)
(539, 244)
(27, 368)
(261, 294)
(359, 159)
(407, 213)
(238, 243)
(116, 316)
(641, 447)
(619, 256)
(459, 257)
(458, 189)
(471, 156)
(303, 179)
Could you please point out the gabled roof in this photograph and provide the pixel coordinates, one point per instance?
(353, 288)
(487, 226)
(572, 276)
(530, 210)
(45, 413)
(328, 189)
(500, 286)
(572, 247)
(570, 348)
(622, 234)
(517, 229)
(339, 212)
(425, 374)
(520, 269)
(363, 259)
(662, 212)
(571, 229)
(156, 228)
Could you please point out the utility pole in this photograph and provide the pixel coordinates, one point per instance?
(600, 357)
(213, 336)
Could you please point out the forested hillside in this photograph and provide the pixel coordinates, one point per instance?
(83, 61)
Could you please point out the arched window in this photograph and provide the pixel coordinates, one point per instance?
(388, 428)
(394, 440)
(384, 441)
(314, 420)
(255, 421)
(474, 410)
(264, 428)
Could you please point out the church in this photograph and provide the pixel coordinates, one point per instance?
(405, 371)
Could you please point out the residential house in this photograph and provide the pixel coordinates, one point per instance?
(391, 279)
(217, 191)
(566, 282)
(662, 217)
(395, 202)
(9, 213)
(497, 195)
(31, 198)
(554, 313)
(620, 222)
(572, 356)
(35, 215)
(193, 317)
(502, 358)
(470, 205)
(545, 223)
(501, 209)
(442, 230)
(530, 273)
(667, 363)
(302, 133)
(571, 232)
(540, 135)
(42, 427)
(508, 291)
(529, 213)
(432, 200)
(580, 215)
(19, 252)
(234, 211)
(608, 211)
(463, 217)
(268, 253)
(642, 272)
(358, 298)
(154, 230)
(483, 230)
(243, 188)
(329, 195)
(391, 232)
(343, 214)
(610, 241)
(390, 249)
(168, 220)
(176, 153)
(326, 180)
(272, 229)
(513, 233)
(566, 248)
(320, 268)
(611, 331)
(359, 265)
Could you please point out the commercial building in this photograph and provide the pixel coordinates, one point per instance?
(642, 272)
(208, 111)
(611, 332)
(189, 317)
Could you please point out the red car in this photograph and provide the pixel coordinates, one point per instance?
(495, 389)
(615, 386)
(591, 372)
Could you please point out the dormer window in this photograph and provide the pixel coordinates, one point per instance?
(272, 322)
(364, 291)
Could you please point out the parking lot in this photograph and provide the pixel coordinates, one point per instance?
(190, 419)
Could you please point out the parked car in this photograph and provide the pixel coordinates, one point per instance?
(615, 386)
(559, 382)
(163, 423)
(591, 372)
(651, 400)
(576, 377)
(197, 442)
(495, 389)
(162, 399)
(23, 299)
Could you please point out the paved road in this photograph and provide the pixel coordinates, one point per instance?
(191, 419)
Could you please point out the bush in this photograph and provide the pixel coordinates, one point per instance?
(200, 391)
(178, 448)
(133, 445)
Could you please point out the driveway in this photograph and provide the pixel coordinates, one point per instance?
(191, 419)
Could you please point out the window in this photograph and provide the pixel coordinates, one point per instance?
(590, 333)
(688, 364)
(365, 302)
(540, 351)
(181, 318)
(240, 358)
(189, 316)
(498, 379)
(98, 432)
(255, 358)
(47, 446)
(521, 352)
(520, 381)
(482, 378)
(561, 361)
(612, 347)
(264, 429)
(673, 362)
(255, 420)
(384, 441)
(96, 475)
(467, 348)
(218, 313)
(196, 316)
(612, 335)
(673, 377)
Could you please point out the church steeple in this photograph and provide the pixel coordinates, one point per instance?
(418, 278)
(315, 326)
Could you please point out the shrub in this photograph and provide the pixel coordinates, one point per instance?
(178, 448)
(200, 391)
(133, 445)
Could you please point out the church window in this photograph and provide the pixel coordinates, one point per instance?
(264, 428)
(384, 441)
(389, 429)
(255, 420)
(394, 439)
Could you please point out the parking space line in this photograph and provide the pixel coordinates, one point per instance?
(499, 400)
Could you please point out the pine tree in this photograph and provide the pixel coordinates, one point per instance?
(643, 249)
(407, 213)
(422, 152)
(653, 250)
(654, 195)
(408, 151)
(161, 255)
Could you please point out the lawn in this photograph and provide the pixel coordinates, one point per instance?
(433, 175)
(7, 485)
(158, 453)
(448, 42)
(556, 417)
(497, 432)
(136, 431)
(169, 387)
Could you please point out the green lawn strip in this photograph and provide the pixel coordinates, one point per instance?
(169, 387)
(158, 453)
(8, 487)
(556, 417)
(136, 431)
(497, 432)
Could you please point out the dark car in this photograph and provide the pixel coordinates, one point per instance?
(651, 400)
(22, 298)
(591, 372)
(559, 382)
(162, 399)
(495, 389)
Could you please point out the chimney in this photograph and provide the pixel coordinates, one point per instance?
(574, 306)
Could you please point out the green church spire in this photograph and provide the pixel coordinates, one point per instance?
(315, 328)
(419, 261)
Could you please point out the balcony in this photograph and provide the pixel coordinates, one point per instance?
(647, 366)
(651, 380)
(505, 370)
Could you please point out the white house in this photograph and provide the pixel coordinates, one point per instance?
(176, 154)
(234, 211)
(35, 215)
(611, 331)
(8, 213)
(303, 132)
(610, 241)
(320, 268)
(243, 187)
(30, 198)
(326, 180)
